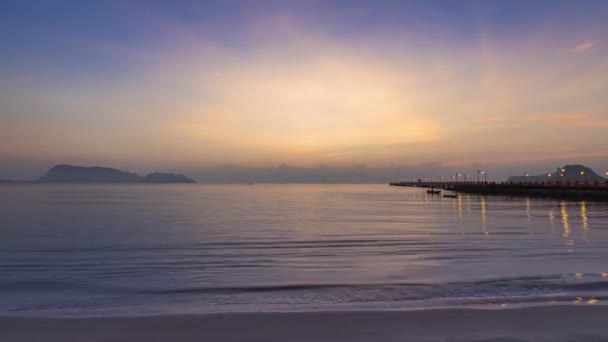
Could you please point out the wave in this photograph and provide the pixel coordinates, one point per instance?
(551, 284)
(554, 287)
(65, 295)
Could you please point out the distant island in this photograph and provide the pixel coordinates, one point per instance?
(159, 177)
(97, 174)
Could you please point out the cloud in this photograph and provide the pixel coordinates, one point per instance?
(576, 119)
(584, 46)
(573, 119)
(290, 92)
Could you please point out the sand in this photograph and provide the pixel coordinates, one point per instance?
(550, 323)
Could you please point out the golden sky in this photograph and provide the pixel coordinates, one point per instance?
(293, 90)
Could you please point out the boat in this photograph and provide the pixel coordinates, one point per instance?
(433, 191)
(453, 195)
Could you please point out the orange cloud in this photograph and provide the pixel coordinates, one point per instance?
(572, 120)
(584, 46)
(559, 119)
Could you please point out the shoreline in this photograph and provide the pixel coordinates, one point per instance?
(550, 323)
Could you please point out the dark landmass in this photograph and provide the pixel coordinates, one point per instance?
(96, 174)
(159, 177)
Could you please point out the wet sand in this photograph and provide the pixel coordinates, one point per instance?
(549, 323)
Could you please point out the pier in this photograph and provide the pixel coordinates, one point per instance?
(583, 191)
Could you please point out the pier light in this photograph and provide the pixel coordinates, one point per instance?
(526, 175)
(563, 170)
(584, 174)
(485, 176)
(549, 175)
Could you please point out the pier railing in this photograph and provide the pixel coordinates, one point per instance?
(531, 184)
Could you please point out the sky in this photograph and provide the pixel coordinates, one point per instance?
(201, 87)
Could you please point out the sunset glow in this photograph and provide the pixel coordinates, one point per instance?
(262, 85)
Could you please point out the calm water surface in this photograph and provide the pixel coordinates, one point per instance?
(154, 249)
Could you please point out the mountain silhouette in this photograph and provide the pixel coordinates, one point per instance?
(159, 177)
(96, 174)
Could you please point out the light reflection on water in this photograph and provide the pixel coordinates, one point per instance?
(484, 214)
(566, 224)
(100, 247)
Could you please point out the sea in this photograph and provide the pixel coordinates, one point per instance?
(141, 249)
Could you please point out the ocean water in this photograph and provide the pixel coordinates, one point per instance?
(97, 250)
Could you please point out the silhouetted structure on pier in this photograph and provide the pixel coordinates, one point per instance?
(575, 182)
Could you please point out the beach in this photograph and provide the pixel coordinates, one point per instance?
(547, 323)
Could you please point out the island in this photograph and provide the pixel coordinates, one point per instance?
(159, 177)
(96, 174)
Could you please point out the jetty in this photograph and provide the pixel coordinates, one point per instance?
(577, 190)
